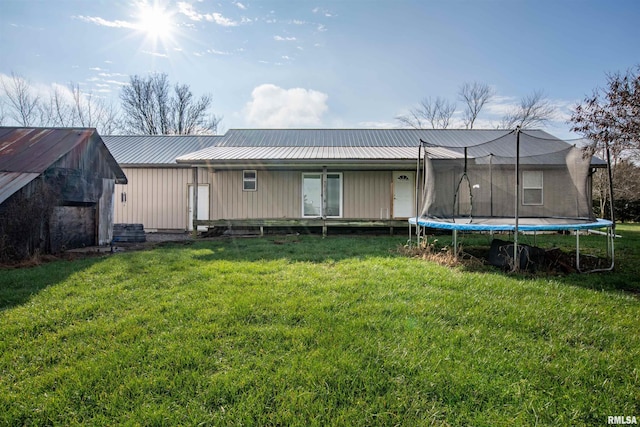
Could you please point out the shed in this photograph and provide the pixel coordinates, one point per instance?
(56, 190)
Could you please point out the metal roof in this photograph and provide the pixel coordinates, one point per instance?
(370, 144)
(355, 137)
(289, 145)
(156, 149)
(25, 153)
(10, 182)
(302, 153)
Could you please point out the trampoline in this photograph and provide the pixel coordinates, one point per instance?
(508, 224)
(519, 182)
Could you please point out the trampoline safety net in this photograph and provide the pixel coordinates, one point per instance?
(480, 181)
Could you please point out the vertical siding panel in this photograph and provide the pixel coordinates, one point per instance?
(213, 194)
(228, 196)
(182, 198)
(296, 190)
(278, 183)
(224, 187)
(162, 201)
(263, 209)
(138, 196)
(167, 205)
(348, 195)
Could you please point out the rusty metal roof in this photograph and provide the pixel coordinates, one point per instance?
(25, 153)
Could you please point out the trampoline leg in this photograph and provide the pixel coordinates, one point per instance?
(455, 243)
(610, 252)
(577, 250)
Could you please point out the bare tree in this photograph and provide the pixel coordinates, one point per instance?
(150, 109)
(23, 104)
(91, 111)
(61, 111)
(534, 110)
(430, 114)
(610, 118)
(189, 115)
(475, 95)
(63, 108)
(75, 108)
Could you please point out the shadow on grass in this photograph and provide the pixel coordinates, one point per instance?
(302, 248)
(19, 285)
(315, 249)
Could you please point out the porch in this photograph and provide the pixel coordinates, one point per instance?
(323, 223)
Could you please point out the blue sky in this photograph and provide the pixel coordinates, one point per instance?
(345, 64)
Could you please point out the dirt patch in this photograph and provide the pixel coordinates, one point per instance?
(152, 240)
(554, 261)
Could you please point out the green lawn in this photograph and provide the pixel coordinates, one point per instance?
(299, 331)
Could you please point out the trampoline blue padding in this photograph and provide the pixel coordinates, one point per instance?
(508, 224)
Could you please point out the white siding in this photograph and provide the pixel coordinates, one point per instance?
(156, 197)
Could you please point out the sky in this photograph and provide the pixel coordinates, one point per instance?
(327, 63)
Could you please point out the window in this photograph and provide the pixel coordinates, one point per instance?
(249, 180)
(532, 188)
(312, 195)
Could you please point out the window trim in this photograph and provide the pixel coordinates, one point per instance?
(341, 187)
(541, 188)
(253, 180)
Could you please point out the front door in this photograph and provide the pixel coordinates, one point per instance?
(203, 205)
(404, 193)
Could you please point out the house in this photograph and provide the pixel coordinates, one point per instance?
(56, 190)
(283, 177)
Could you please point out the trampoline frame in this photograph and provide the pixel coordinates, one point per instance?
(518, 224)
(579, 225)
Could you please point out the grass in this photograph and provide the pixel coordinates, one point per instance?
(307, 331)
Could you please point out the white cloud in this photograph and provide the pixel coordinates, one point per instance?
(221, 20)
(284, 39)
(321, 11)
(218, 52)
(377, 125)
(501, 105)
(240, 5)
(187, 10)
(105, 23)
(156, 54)
(274, 107)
